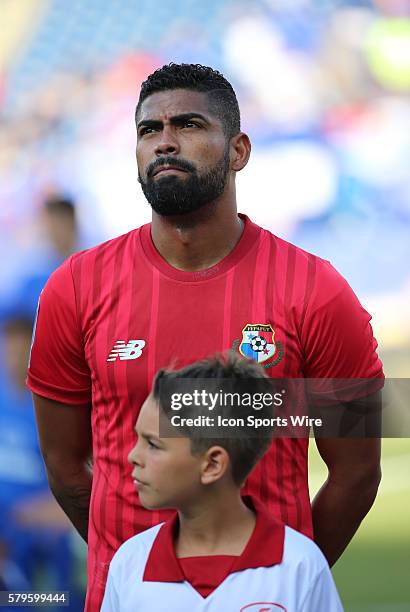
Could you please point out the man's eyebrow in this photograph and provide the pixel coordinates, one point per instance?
(187, 117)
(175, 120)
(149, 123)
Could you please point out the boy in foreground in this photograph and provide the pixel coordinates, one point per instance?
(221, 552)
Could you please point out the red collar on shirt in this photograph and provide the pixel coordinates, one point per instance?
(264, 548)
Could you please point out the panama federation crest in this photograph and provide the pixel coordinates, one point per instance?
(258, 342)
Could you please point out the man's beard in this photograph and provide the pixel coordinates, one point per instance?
(172, 195)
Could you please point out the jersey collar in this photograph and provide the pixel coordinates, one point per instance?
(250, 235)
(264, 548)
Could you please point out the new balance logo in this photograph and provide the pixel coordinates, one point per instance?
(126, 350)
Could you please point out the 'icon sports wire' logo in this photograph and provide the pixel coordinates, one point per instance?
(126, 350)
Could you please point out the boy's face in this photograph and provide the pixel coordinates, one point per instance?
(165, 472)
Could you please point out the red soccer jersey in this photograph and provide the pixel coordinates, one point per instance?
(111, 316)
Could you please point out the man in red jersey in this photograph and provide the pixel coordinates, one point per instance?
(197, 280)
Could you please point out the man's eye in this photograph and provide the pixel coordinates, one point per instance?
(190, 124)
(146, 130)
(151, 444)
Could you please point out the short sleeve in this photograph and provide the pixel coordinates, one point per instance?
(111, 601)
(57, 367)
(323, 595)
(337, 337)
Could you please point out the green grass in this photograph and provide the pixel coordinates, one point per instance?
(373, 574)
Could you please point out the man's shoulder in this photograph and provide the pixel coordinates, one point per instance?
(285, 246)
(111, 246)
(87, 259)
(306, 265)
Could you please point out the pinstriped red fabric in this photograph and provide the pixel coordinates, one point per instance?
(261, 312)
(112, 316)
(152, 340)
(290, 457)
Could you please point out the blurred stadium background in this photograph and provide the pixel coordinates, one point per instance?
(324, 90)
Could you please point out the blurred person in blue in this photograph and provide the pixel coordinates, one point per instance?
(59, 224)
(59, 237)
(35, 536)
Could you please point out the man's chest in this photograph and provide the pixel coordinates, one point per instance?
(137, 328)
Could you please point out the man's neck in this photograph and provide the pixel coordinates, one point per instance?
(221, 525)
(199, 240)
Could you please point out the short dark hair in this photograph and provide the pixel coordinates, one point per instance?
(20, 324)
(60, 204)
(221, 95)
(244, 451)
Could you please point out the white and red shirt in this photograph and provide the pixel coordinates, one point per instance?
(111, 316)
(279, 569)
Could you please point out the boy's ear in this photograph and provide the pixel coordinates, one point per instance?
(215, 464)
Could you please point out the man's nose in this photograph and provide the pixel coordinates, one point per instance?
(168, 143)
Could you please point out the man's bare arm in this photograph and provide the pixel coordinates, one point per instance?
(348, 493)
(66, 444)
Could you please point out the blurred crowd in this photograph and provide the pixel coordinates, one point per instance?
(324, 91)
(323, 87)
(38, 549)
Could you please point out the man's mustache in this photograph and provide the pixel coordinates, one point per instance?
(180, 164)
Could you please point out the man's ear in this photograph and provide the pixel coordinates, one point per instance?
(215, 464)
(240, 150)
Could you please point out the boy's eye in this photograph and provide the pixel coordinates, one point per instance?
(151, 444)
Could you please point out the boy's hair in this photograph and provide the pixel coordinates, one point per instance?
(244, 451)
(221, 95)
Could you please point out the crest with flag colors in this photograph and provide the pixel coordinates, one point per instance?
(258, 342)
